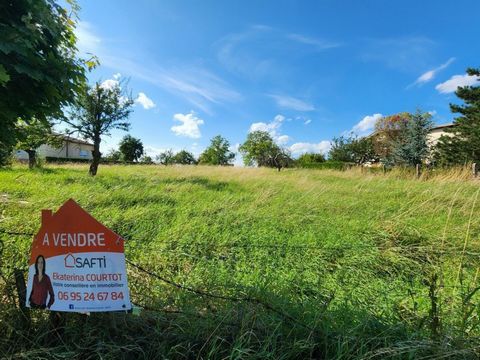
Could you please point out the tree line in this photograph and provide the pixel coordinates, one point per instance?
(43, 81)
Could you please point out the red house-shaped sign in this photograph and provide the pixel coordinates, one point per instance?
(77, 264)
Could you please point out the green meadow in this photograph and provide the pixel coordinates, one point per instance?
(235, 263)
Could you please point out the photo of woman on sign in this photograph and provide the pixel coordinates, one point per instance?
(41, 287)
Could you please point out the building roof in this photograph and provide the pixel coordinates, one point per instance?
(443, 126)
(74, 140)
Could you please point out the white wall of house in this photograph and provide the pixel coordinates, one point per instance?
(435, 134)
(70, 150)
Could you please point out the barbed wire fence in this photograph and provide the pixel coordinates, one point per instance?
(246, 299)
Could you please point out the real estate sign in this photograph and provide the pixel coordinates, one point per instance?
(77, 264)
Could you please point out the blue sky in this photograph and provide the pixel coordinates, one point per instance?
(305, 71)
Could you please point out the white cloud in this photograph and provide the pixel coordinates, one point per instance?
(429, 75)
(109, 84)
(145, 101)
(283, 139)
(117, 76)
(289, 102)
(304, 147)
(190, 125)
(272, 128)
(456, 81)
(308, 121)
(366, 125)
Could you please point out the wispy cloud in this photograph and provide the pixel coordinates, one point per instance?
(260, 50)
(189, 127)
(407, 54)
(430, 74)
(456, 81)
(289, 102)
(87, 41)
(198, 86)
(317, 43)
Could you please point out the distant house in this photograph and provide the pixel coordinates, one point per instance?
(72, 149)
(436, 132)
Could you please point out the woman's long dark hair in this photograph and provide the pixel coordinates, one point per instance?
(36, 265)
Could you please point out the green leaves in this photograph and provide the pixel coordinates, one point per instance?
(4, 77)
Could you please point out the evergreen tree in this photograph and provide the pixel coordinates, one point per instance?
(131, 148)
(462, 144)
(413, 148)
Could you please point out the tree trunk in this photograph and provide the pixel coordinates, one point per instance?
(96, 157)
(32, 158)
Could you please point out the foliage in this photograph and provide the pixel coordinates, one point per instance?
(462, 144)
(352, 149)
(184, 157)
(114, 156)
(309, 160)
(218, 153)
(145, 159)
(96, 112)
(166, 158)
(131, 148)
(39, 69)
(389, 131)
(261, 150)
(413, 148)
(348, 257)
(33, 134)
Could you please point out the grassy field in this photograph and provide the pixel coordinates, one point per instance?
(252, 263)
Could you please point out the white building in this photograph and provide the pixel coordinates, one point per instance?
(72, 149)
(436, 132)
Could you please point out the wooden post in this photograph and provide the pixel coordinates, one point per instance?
(418, 170)
(22, 297)
(384, 169)
(474, 170)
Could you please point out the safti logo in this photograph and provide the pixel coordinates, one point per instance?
(85, 262)
(69, 261)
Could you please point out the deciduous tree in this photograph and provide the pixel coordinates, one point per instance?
(166, 158)
(218, 153)
(184, 157)
(32, 135)
(260, 149)
(97, 111)
(40, 71)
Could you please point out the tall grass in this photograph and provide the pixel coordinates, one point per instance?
(334, 264)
